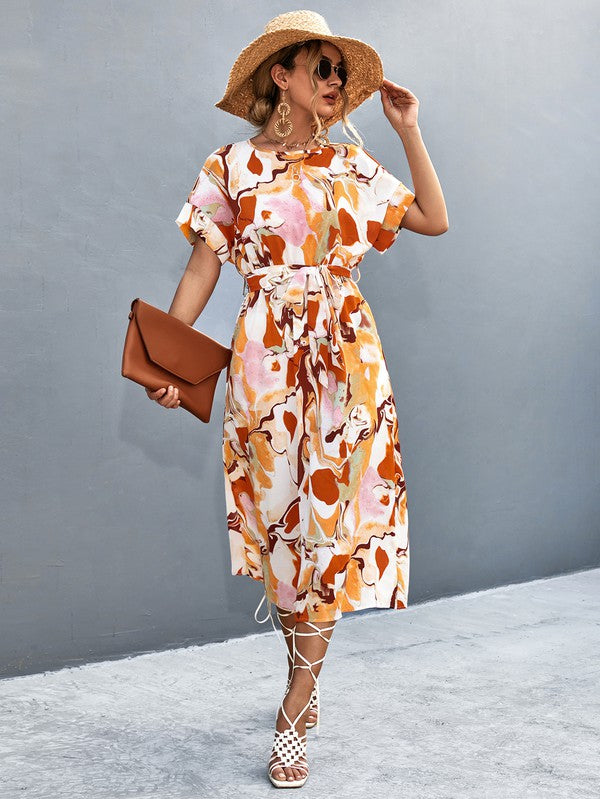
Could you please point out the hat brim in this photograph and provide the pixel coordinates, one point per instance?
(365, 70)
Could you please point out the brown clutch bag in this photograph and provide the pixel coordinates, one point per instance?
(161, 350)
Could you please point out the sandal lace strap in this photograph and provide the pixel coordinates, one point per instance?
(268, 616)
(308, 664)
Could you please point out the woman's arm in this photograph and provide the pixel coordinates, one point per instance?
(193, 292)
(427, 214)
(197, 283)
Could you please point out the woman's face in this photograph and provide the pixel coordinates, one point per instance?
(300, 90)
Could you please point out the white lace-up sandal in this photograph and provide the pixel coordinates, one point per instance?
(289, 747)
(287, 631)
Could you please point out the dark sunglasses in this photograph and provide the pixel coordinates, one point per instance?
(324, 68)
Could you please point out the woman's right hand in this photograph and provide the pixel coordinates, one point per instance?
(168, 397)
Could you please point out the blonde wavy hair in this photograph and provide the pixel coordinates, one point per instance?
(268, 94)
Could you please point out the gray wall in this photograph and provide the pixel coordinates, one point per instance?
(113, 527)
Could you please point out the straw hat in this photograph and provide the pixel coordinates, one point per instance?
(365, 70)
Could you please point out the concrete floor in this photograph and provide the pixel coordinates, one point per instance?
(490, 695)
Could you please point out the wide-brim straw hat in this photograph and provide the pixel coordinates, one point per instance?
(365, 70)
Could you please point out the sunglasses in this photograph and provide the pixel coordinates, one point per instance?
(324, 68)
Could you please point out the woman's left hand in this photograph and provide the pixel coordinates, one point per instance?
(400, 105)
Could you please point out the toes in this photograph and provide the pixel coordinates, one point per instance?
(289, 773)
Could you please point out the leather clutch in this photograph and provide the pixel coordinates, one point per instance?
(161, 350)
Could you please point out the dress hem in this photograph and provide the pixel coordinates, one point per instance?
(306, 615)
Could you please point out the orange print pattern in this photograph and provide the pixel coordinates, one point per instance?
(315, 491)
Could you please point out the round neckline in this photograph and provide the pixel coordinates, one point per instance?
(285, 152)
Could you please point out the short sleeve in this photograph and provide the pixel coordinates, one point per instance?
(208, 211)
(385, 200)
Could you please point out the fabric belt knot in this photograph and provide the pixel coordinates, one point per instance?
(289, 288)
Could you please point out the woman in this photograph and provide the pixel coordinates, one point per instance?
(316, 498)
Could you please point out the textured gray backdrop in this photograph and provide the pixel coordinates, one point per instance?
(113, 535)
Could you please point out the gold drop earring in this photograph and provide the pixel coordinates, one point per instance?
(283, 126)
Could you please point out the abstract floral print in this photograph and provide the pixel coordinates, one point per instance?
(316, 499)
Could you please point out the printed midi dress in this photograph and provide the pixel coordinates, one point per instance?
(315, 492)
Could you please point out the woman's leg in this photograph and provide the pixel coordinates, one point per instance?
(287, 620)
(311, 642)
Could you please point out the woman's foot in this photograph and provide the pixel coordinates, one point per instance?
(295, 699)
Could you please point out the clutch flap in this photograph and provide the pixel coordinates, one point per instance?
(177, 347)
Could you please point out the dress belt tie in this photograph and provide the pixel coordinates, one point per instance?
(254, 280)
(290, 314)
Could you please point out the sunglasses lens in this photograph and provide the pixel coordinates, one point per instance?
(324, 71)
